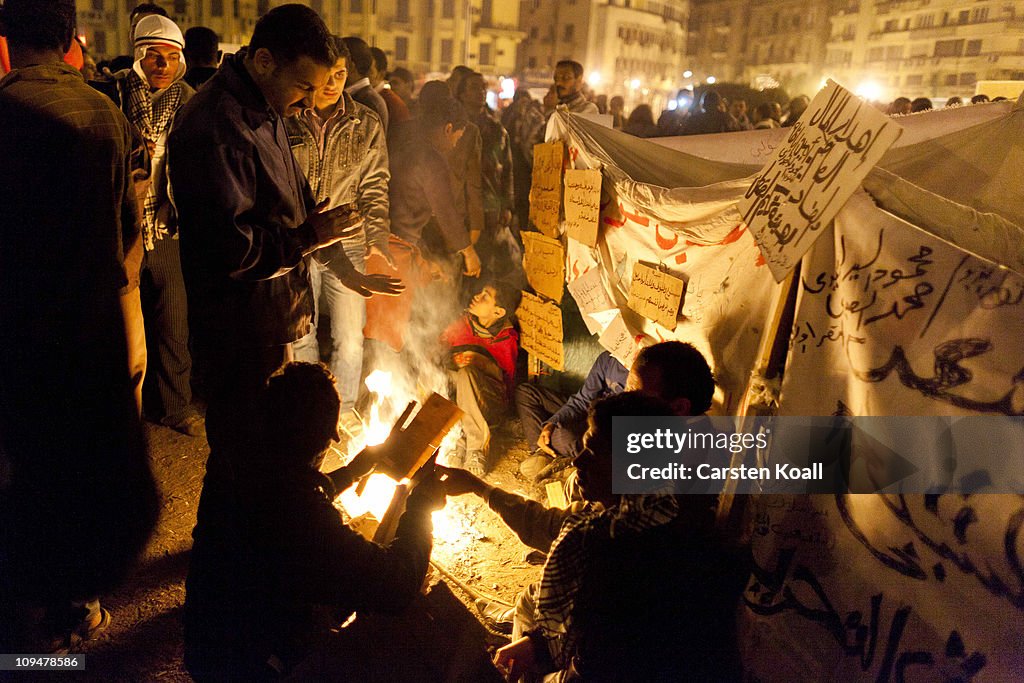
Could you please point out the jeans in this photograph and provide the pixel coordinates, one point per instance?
(347, 312)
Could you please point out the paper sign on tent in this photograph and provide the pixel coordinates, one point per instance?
(541, 325)
(620, 341)
(546, 189)
(812, 174)
(592, 298)
(655, 294)
(583, 205)
(544, 263)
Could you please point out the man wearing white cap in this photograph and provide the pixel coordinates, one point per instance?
(149, 94)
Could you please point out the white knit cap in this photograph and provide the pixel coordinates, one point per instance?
(154, 29)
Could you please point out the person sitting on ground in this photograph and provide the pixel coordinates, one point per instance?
(636, 587)
(553, 424)
(483, 346)
(271, 555)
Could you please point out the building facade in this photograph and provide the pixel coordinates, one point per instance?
(632, 48)
(428, 37)
(925, 48)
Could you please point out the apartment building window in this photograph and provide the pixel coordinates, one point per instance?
(569, 33)
(402, 11)
(216, 8)
(262, 7)
(968, 79)
(894, 52)
(979, 15)
(430, 8)
(448, 9)
(891, 25)
(924, 21)
(950, 79)
(915, 79)
(535, 33)
(485, 54)
(949, 48)
(97, 5)
(531, 63)
(99, 43)
(180, 7)
(401, 48)
(355, 6)
(447, 53)
(973, 48)
(876, 54)
(487, 12)
(428, 48)
(963, 17)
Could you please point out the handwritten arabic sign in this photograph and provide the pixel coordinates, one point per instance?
(591, 296)
(544, 263)
(546, 190)
(619, 341)
(655, 294)
(813, 172)
(541, 324)
(582, 205)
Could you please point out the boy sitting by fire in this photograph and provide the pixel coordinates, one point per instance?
(483, 346)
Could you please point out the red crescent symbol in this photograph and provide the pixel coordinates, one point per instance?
(663, 242)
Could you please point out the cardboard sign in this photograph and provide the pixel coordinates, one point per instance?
(583, 205)
(620, 341)
(655, 294)
(591, 296)
(546, 190)
(812, 174)
(541, 325)
(411, 445)
(544, 263)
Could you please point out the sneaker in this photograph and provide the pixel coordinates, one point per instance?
(91, 628)
(192, 424)
(496, 615)
(475, 463)
(534, 465)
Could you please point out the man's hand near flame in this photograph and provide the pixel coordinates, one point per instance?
(367, 285)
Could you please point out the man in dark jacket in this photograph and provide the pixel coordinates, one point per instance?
(247, 216)
(272, 560)
(712, 118)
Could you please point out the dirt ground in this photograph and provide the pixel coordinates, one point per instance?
(144, 641)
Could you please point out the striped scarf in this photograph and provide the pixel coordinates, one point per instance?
(152, 119)
(560, 582)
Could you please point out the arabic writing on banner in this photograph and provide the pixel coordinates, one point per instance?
(655, 294)
(812, 174)
(591, 297)
(583, 205)
(541, 325)
(544, 263)
(619, 341)
(546, 189)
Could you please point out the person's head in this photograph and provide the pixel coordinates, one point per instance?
(738, 108)
(472, 92)
(777, 112)
(202, 47)
(568, 78)
(899, 106)
(920, 104)
(643, 115)
(797, 106)
(493, 303)
(89, 70)
(378, 67)
(616, 105)
(360, 59)
(158, 51)
(34, 26)
(140, 12)
(762, 111)
(328, 96)
(979, 98)
(402, 83)
(455, 78)
(594, 463)
(441, 116)
(290, 57)
(675, 372)
(711, 101)
(301, 410)
(954, 101)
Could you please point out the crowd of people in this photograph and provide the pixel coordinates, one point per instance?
(209, 209)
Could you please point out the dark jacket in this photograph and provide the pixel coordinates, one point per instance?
(421, 188)
(242, 203)
(270, 552)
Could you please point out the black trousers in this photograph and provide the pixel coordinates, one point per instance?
(165, 310)
(535, 404)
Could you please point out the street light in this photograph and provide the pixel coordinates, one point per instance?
(712, 80)
(594, 79)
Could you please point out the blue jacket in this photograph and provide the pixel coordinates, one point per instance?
(607, 376)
